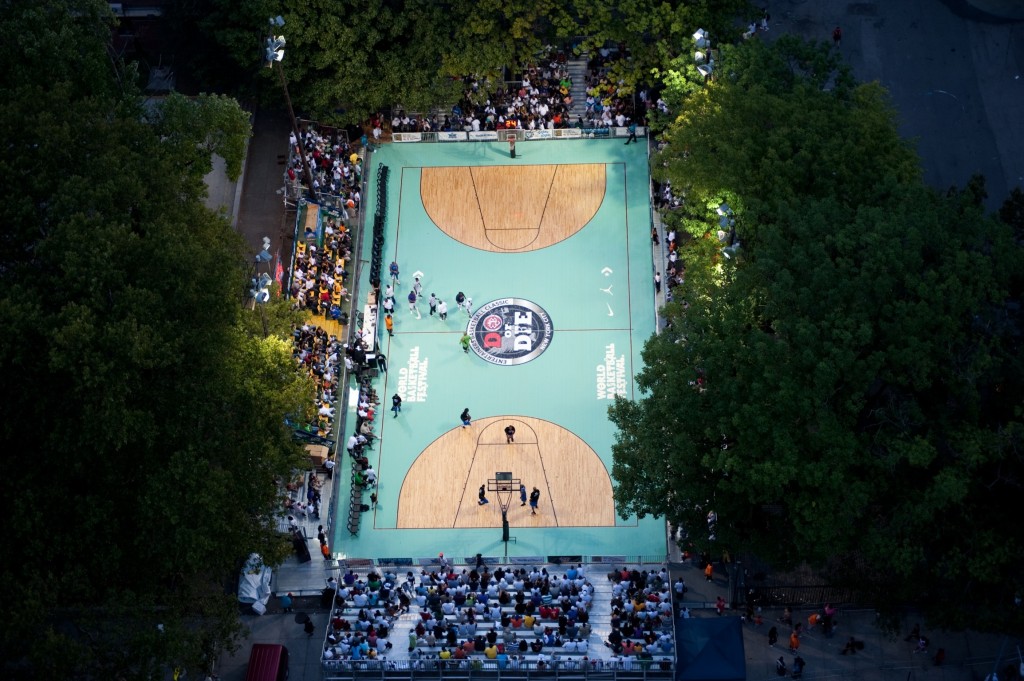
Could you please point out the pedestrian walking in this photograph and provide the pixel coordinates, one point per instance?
(522, 494)
(794, 642)
(309, 628)
(837, 36)
(510, 433)
(389, 291)
(465, 342)
(798, 667)
(442, 310)
(417, 286)
(654, 236)
(764, 20)
(393, 271)
(432, 302)
(286, 603)
(382, 362)
(780, 666)
(632, 132)
(773, 636)
(657, 282)
(373, 500)
(512, 145)
(412, 304)
(396, 404)
(482, 496)
(467, 420)
(389, 324)
(388, 305)
(467, 305)
(534, 500)
(709, 571)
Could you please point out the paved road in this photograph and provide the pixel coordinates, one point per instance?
(956, 77)
(261, 211)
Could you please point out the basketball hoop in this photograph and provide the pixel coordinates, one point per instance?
(505, 485)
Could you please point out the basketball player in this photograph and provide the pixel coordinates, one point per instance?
(467, 420)
(482, 497)
(534, 500)
(510, 434)
(522, 494)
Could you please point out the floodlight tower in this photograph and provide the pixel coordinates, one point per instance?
(275, 53)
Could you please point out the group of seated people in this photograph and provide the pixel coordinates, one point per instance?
(606, 104)
(641, 619)
(501, 619)
(377, 605)
(333, 162)
(317, 355)
(319, 274)
(524, 611)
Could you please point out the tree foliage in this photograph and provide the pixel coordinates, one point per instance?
(848, 391)
(346, 59)
(142, 421)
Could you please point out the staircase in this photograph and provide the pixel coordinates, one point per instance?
(578, 73)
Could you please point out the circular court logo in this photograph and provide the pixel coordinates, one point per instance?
(510, 331)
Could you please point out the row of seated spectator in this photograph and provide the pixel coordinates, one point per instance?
(607, 105)
(519, 611)
(334, 163)
(364, 611)
(541, 99)
(641, 619)
(318, 276)
(316, 355)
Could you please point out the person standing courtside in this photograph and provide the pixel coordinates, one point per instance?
(534, 500)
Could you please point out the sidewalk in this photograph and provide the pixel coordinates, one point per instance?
(969, 655)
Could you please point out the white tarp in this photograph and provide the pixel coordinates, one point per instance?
(254, 584)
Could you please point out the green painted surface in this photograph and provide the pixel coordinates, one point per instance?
(570, 280)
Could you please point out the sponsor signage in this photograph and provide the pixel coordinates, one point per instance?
(510, 331)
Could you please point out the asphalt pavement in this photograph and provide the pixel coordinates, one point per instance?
(955, 75)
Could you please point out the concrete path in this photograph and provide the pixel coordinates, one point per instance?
(956, 77)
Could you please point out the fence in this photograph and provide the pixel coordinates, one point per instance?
(466, 670)
(502, 135)
(610, 561)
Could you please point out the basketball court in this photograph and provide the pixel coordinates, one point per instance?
(553, 248)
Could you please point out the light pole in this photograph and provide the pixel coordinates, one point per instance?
(275, 53)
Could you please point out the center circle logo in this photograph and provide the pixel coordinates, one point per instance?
(510, 331)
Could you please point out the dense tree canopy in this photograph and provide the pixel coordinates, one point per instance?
(142, 432)
(847, 391)
(346, 59)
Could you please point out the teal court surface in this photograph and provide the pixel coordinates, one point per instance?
(553, 248)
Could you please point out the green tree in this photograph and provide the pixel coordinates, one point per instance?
(143, 420)
(349, 58)
(848, 391)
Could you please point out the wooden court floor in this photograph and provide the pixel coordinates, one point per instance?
(440, 488)
(512, 208)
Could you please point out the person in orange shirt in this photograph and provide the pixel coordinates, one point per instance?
(709, 571)
(812, 621)
(794, 642)
(389, 324)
